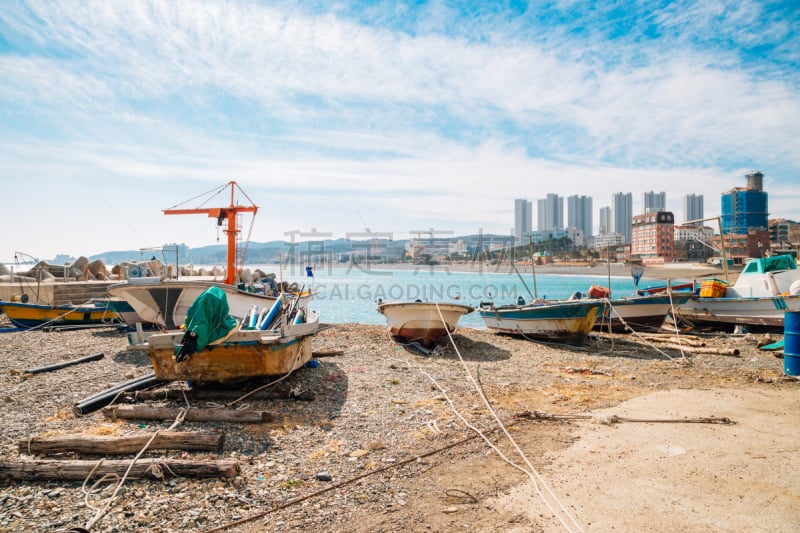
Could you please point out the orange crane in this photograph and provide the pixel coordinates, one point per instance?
(228, 216)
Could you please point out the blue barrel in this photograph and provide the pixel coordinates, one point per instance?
(791, 343)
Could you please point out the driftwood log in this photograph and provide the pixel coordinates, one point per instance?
(165, 440)
(142, 469)
(672, 339)
(59, 366)
(145, 412)
(711, 351)
(327, 353)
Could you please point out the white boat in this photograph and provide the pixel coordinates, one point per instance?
(423, 322)
(551, 320)
(165, 302)
(765, 289)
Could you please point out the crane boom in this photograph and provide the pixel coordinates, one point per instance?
(226, 215)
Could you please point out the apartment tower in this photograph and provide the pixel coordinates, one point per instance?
(622, 213)
(579, 213)
(523, 217)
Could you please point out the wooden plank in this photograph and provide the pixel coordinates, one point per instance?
(148, 468)
(327, 353)
(145, 412)
(734, 352)
(165, 440)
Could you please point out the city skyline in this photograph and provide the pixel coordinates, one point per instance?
(743, 207)
(354, 117)
(583, 202)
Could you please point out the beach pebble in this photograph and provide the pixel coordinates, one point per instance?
(363, 408)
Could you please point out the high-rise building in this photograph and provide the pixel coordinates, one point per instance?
(523, 218)
(654, 201)
(622, 213)
(606, 222)
(579, 213)
(550, 213)
(745, 208)
(692, 207)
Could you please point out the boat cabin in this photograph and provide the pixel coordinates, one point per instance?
(767, 277)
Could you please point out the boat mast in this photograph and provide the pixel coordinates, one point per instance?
(228, 216)
(721, 241)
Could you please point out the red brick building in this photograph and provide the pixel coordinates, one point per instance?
(653, 237)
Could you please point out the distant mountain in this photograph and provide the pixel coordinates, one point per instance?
(273, 251)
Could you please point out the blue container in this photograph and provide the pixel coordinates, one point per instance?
(791, 343)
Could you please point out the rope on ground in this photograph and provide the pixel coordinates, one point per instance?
(537, 479)
(359, 477)
(155, 470)
(645, 341)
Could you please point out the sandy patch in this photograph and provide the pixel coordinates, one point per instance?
(680, 477)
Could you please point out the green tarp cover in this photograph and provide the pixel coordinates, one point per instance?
(208, 317)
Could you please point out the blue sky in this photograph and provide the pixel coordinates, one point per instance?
(393, 116)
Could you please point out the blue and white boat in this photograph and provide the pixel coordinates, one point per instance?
(567, 321)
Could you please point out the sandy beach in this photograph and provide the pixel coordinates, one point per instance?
(630, 436)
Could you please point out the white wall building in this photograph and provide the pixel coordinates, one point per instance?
(599, 242)
(694, 233)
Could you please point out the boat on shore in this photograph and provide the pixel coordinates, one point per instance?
(422, 322)
(218, 348)
(127, 313)
(27, 315)
(165, 302)
(639, 313)
(687, 286)
(765, 289)
(568, 321)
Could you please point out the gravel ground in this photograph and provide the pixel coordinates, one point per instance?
(379, 447)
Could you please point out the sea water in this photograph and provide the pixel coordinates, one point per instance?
(351, 294)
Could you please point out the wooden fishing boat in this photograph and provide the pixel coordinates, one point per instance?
(30, 315)
(662, 288)
(567, 321)
(276, 342)
(766, 288)
(638, 313)
(423, 322)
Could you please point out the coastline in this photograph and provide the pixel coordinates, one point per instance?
(667, 271)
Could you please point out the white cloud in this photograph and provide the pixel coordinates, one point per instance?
(403, 127)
